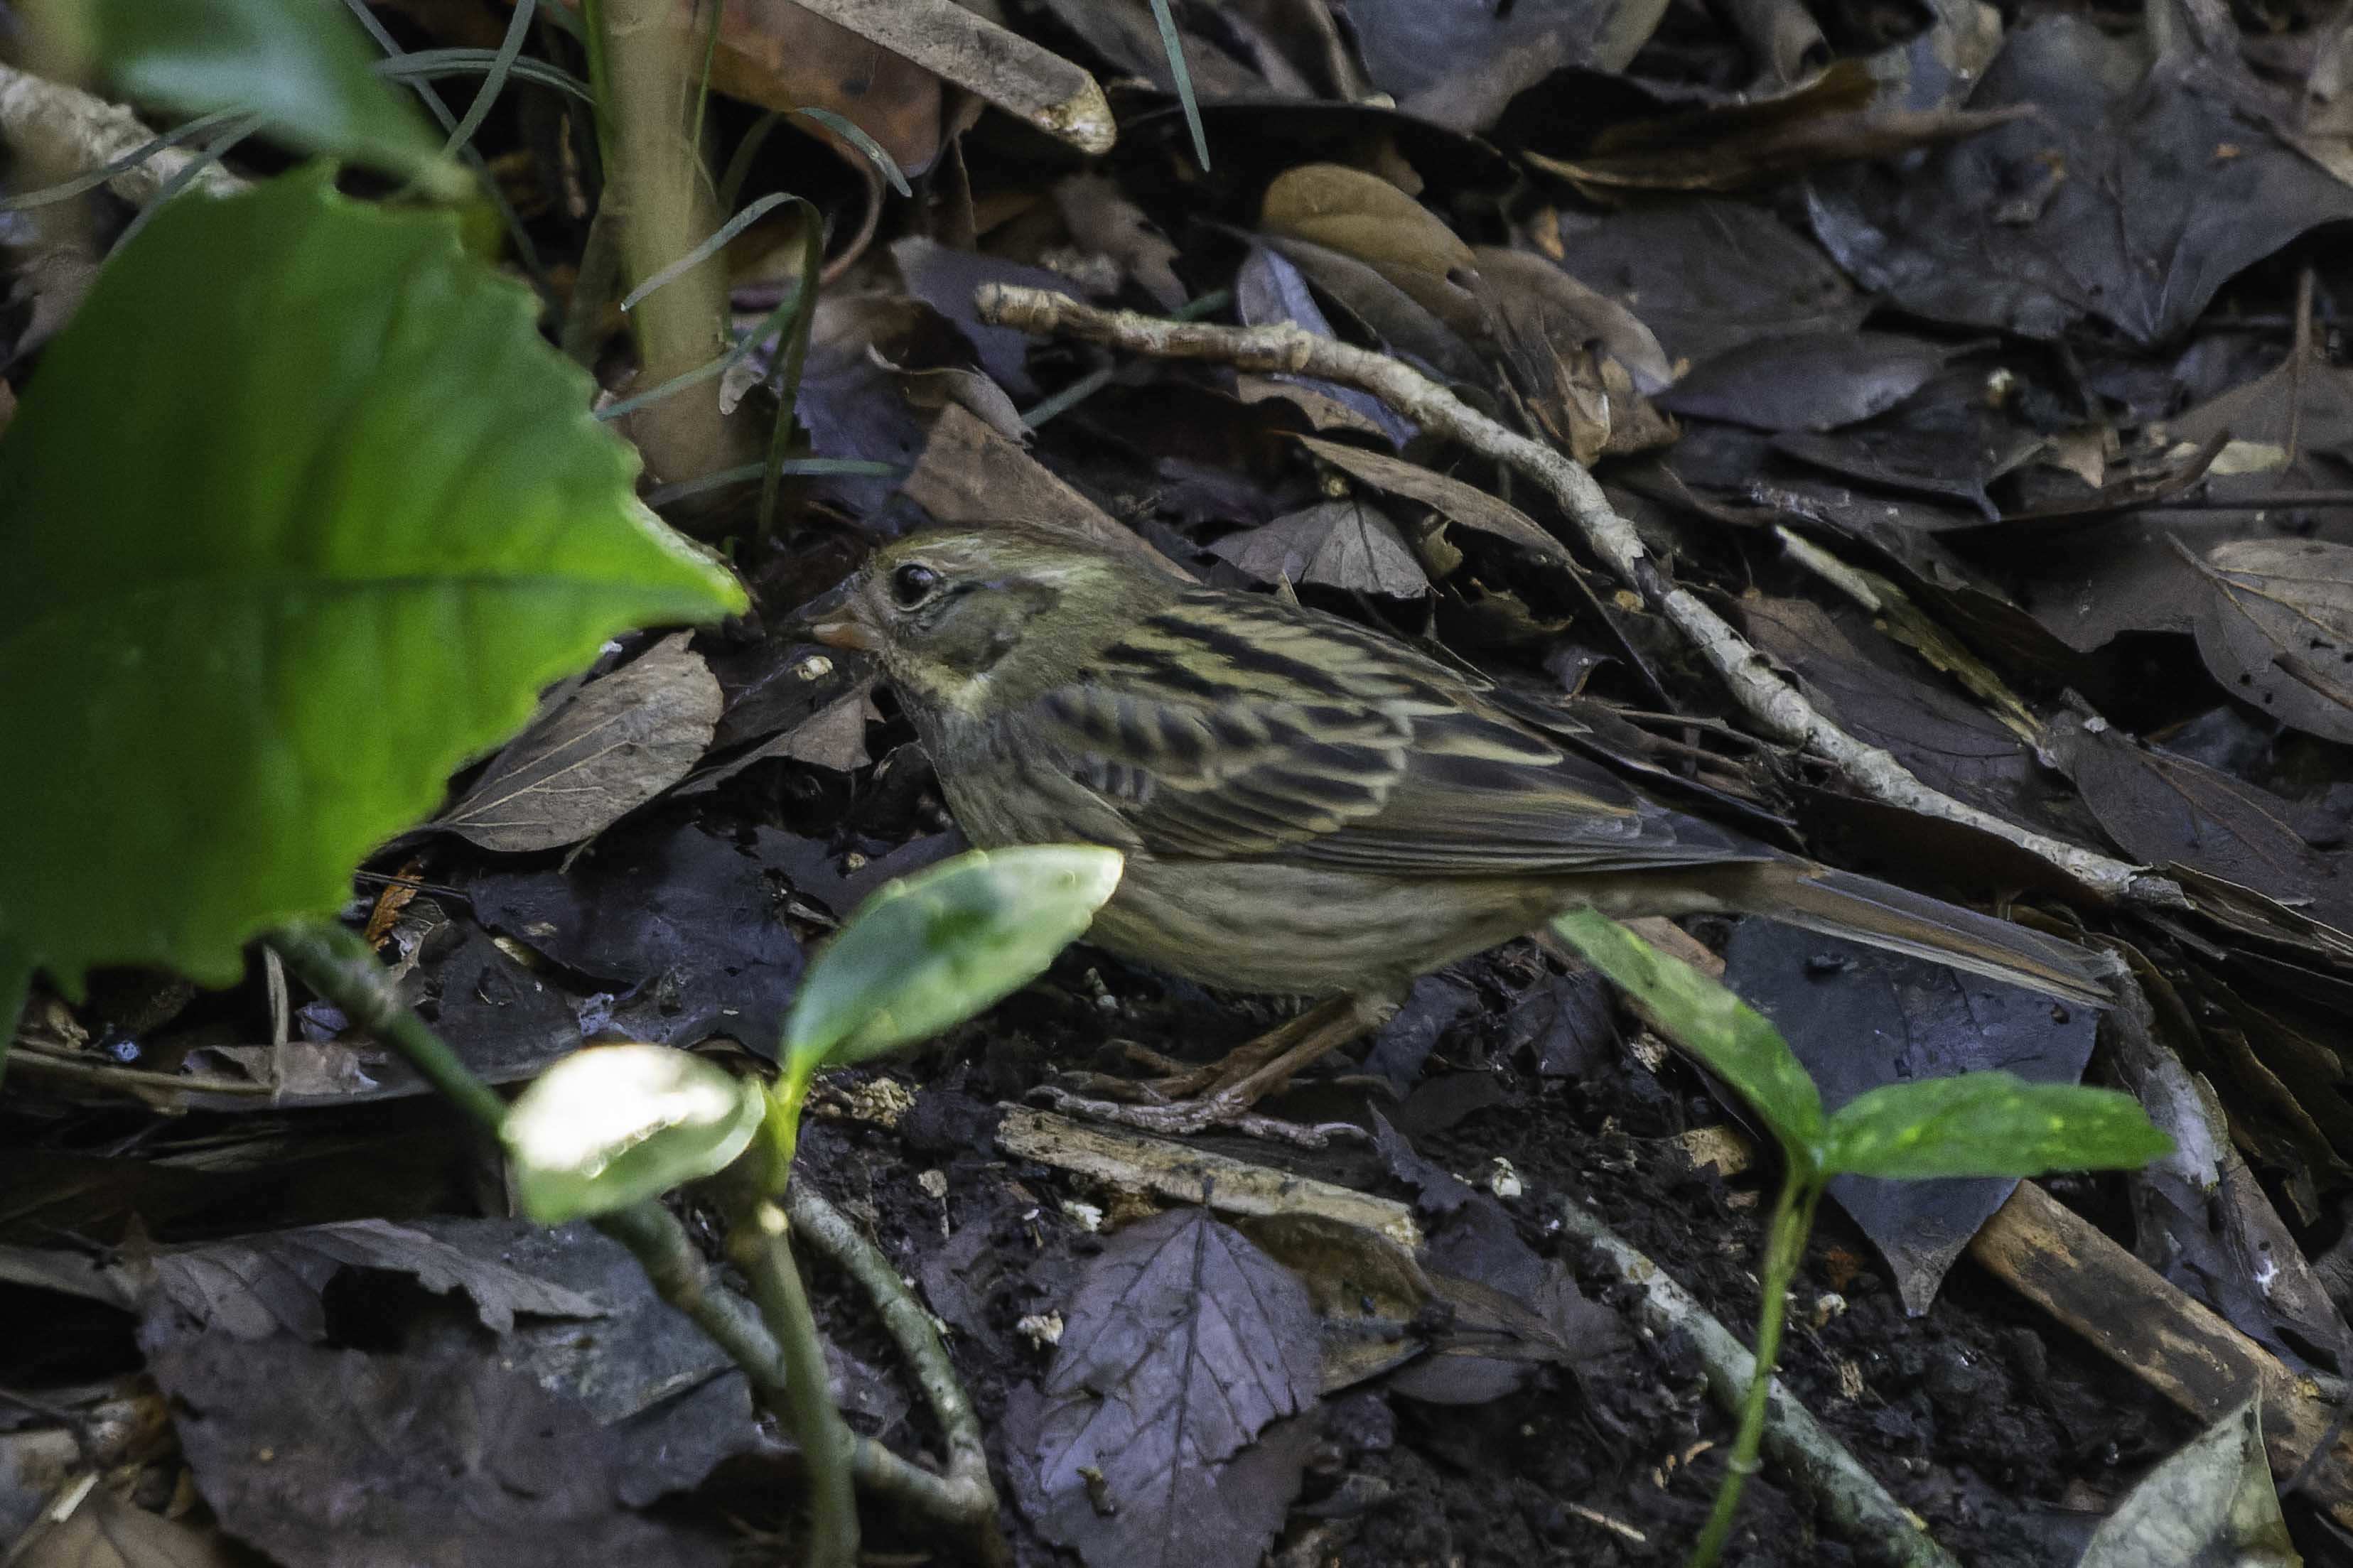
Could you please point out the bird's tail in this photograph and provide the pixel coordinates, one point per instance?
(1840, 904)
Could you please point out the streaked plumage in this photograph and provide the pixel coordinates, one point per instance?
(1308, 807)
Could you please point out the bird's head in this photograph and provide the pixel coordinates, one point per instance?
(965, 618)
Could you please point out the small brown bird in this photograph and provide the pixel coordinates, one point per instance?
(1307, 807)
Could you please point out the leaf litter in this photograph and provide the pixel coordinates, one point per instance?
(2005, 310)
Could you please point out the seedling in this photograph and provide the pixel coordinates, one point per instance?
(609, 1127)
(1975, 1125)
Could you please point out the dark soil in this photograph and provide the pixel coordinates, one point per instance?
(2009, 1436)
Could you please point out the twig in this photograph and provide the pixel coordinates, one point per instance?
(1846, 1492)
(1775, 705)
(70, 133)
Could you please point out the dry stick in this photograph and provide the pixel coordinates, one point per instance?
(1772, 702)
(65, 131)
(1848, 1493)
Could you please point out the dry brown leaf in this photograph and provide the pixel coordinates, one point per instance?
(619, 743)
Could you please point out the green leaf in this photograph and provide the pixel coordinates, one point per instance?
(302, 65)
(615, 1125)
(279, 553)
(931, 950)
(1730, 1038)
(1990, 1125)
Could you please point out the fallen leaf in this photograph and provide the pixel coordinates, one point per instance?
(1184, 1345)
(1339, 543)
(2213, 1501)
(2277, 629)
(1457, 501)
(621, 741)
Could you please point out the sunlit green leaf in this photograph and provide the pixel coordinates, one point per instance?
(302, 65)
(1990, 1125)
(300, 513)
(931, 950)
(1730, 1038)
(615, 1125)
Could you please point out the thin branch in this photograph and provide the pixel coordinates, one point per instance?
(1847, 1493)
(759, 1236)
(67, 132)
(1774, 705)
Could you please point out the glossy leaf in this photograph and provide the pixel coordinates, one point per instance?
(1990, 1125)
(931, 950)
(302, 65)
(259, 598)
(1728, 1036)
(615, 1125)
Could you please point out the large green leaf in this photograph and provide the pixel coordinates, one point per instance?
(931, 950)
(300, 513)
(615, 1125)
(302, 65)
(1730, 1038)
(1990, 1125)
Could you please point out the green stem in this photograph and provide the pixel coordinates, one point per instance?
(342, 968)
(760, 1237)
(1785, 1248)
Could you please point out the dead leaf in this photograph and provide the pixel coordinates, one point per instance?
(107, 1533)
(1531, 298)
(1363, 216)
(1101, 217)
(619, 743)
(259, 1286)
(1184, 1345)
(1459, 502)
(2213, 1501)
(1818, 381)
(1340, 544)
(2277, 629)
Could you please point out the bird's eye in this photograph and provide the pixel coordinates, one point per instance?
(913, 584)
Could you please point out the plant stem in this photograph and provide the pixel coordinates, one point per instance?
(760, 1237)
(1785, 1248)
(340, 967)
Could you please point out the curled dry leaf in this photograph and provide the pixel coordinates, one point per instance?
(1340, 544)
(2277, 629)
(618, 744)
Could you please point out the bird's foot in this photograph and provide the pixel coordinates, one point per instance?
(1177, 1117)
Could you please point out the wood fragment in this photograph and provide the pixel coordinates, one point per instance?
(1182, 1174)
(1026, 82)
(2156, 1330)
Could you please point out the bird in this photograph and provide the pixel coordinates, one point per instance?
(1307, 807)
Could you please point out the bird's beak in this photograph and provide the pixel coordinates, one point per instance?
(834, 618)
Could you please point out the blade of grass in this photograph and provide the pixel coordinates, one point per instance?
(709, 248)
(775, 322)
(512, 221)
(214, 150)
(128, 161)
(796, 468)
(1175, 48)
(791, 354)
(494, 81)
(862, 142)
(432, 65)
(702, 85)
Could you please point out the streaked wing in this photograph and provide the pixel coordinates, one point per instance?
(1265, 728)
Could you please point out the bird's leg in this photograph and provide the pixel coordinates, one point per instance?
(1221, 1093)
